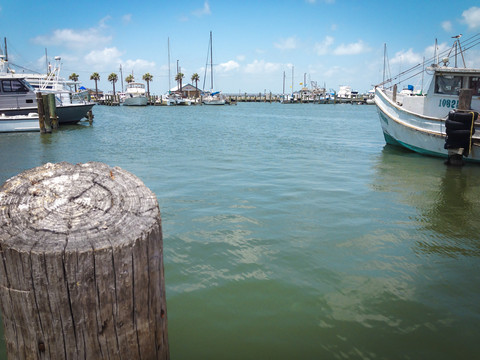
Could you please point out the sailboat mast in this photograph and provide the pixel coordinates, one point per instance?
(169, 84)
(211, 61)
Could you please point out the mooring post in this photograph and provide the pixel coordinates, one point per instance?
(465, 99)
(81, 265)
(52, 109)
(41, 112)
(48, 120)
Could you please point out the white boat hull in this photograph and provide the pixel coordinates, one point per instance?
(135, 101)
(214, 102)
(422, 134)
(19, 123)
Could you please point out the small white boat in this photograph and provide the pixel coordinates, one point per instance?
(431, 123)
(135, 95)
(19, 123)
(215, 98)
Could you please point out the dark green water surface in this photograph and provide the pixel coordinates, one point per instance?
(292, 231)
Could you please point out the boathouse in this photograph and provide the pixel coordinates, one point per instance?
(188, 91)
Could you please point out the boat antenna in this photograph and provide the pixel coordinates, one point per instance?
(456, 44)
(6, 51)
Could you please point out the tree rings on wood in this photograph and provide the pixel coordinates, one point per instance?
(81, 265)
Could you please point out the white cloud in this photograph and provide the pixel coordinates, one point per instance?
(447, 26)
(407, 58)
(352, 49)
(286, 44)
(472, 17)
(240, 57)
(262, 67)
(83, 39)
(104, 59)
(127, 18)
(203, 11)
(140, 65)
(228, 66)
(324, 47)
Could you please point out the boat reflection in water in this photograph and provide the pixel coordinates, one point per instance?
(447, 200)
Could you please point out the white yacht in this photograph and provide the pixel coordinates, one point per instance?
(135, 95)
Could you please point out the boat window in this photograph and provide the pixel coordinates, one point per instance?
(13, 86)
(475, 85)
(447, 84)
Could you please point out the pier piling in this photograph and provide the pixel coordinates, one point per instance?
(52, 110)
(81, 273)
(41, 113)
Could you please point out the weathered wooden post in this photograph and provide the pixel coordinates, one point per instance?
(81, 265)
(90, 116)
(48, 120)
(41, 112)
(52, 110)
(465, 99)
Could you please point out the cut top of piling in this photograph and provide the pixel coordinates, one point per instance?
(65, 207)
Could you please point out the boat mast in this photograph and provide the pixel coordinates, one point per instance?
(169, 84)
(211, 62)
(284, 85)
(121, 76)
(292, 81)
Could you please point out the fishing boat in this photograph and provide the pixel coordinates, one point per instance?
(211, 97)
(435, 123)
(135, 95)
(19, 123)
(71, 107)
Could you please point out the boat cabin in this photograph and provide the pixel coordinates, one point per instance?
(16, 93)
(443, 92)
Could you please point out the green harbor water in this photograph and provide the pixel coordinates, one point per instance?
(292, 231)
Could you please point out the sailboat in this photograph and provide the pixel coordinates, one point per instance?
(212, 97)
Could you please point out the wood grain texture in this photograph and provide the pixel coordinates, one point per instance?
(81, 272)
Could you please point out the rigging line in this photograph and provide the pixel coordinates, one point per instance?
(428, 60)
(206, 67)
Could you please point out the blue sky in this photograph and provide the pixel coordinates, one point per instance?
(332, 42)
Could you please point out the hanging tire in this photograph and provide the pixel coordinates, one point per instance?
(462, 135)
(455, 125)
(465, 118)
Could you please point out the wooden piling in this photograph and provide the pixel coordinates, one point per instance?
(41, 113)
(52, 110)
(46, 109)
(81, 265)
(465, 99)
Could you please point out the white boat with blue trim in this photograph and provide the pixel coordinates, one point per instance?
(19, 123)
(423, 122)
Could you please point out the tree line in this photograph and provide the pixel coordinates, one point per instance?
(113, 78)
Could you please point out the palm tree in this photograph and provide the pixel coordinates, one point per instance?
(113, 79)
(179, 78)
(74, 77)
(95, 76)
(129, 79)
(147, 77)
(195, 78)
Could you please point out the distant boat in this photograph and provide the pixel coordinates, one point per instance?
(212, 97)
(432, 124)
(19, 123)
(135, 95)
